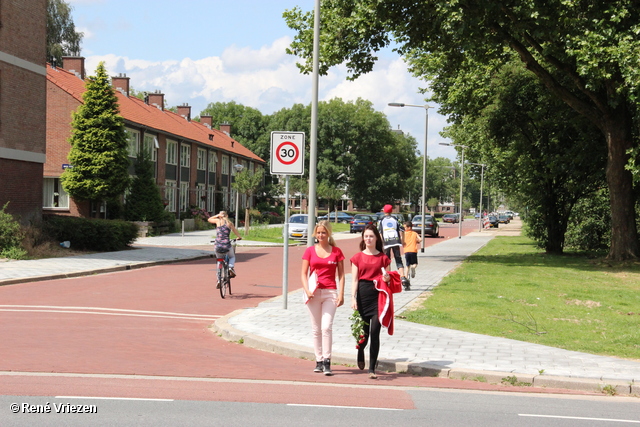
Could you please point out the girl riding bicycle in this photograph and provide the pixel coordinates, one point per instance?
(224, 227)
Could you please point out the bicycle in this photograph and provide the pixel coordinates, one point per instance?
(224, 281)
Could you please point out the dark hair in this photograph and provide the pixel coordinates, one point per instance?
(378, 238)
(408, 224)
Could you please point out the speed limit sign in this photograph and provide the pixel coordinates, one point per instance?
(287, 153)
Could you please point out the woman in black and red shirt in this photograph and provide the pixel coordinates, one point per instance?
(367, 266)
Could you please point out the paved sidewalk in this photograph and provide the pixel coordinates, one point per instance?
(429, 350)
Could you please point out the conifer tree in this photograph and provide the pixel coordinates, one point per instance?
(144, 202)
(98, 145)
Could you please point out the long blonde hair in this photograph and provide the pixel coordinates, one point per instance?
(327, 226)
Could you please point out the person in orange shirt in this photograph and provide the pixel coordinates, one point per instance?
(411, 240)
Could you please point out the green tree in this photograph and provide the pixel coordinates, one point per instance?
(332, 193)
(583, 52)
(98, 145)
(144, 201)
(247, 183)
(62, 37)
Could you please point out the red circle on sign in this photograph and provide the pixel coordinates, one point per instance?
(294, 157)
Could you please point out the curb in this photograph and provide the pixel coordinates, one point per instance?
(91, 272)
(223, 328)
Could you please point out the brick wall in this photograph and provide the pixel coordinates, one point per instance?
(22, 188)
(24, 29)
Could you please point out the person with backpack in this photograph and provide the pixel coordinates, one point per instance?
(224, 227)
(393, 239)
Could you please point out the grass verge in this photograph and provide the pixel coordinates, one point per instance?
(511, 289)
(263, 233)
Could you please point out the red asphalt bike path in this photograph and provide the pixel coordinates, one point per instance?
(144, 333)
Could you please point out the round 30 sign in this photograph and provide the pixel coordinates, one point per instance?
(287, 153)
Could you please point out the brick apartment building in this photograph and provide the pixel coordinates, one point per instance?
(23, 36)
(194, 163)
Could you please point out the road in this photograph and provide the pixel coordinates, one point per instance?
(143, 334)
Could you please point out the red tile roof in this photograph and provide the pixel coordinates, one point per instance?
(136, 111)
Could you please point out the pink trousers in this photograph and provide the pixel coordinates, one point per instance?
(322, 308)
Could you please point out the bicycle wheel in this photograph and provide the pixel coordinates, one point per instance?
(224, 279)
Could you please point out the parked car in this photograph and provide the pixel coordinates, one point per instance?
(298, 226)
(451, 218)
(343, 217)
(431, 227)
(399, 217)
(503, 219)
(360, 221)
(270, 213)
(493, 221)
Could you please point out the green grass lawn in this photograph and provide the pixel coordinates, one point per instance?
(511, 289)
(262, 233)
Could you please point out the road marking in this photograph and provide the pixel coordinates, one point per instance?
(579, 418)
(106, 312)
(344, 407)
(112, 398)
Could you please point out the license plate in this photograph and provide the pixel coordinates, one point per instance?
(296, 234)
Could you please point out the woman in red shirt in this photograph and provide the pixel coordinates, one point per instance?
(367, 266)
(325, 259)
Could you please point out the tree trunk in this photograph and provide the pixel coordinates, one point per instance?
(247, 216)
(624, 233)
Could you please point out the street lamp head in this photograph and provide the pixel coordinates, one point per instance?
(444, 143)
(238, 168)
(396, 104)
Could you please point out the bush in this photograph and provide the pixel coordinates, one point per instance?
(91, 234)
(13, 253)
(589, 226)
(10, 232)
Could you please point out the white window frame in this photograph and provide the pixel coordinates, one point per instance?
(185, 155)
(225, 164)
(133, 142)
(172, 152)
(170, 187)
(225, 198)
(202, 159)
(150, 147)
(213, 160)
(49, 195)
(184, 196)
(201, 193)
(211, 194)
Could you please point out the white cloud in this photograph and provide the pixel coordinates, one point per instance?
(267, 79)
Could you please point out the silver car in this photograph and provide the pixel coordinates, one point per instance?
(298, 226)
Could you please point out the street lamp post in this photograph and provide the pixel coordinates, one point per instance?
(481, 182)
(238, 169)
(461, 182)
(424, 161)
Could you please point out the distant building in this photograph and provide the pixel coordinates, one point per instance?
(194, 163)
(23, 36)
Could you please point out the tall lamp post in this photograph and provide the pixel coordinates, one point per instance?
(424, 160)
(461, 183)
(238, 169)
(481, 182)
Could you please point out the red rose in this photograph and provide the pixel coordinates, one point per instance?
(357, 347)
(361, 341)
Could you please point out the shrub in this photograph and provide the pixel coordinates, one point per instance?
(91, 234)
(10, 232)
(589, 226)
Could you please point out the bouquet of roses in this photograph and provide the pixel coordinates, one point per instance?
(357, 327)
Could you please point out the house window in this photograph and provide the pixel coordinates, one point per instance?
(225, 165)
(211, 198)
(184, 196)
(202, 159)
(53, 195)
(170, 195)
(172, 153)
(213, 159)
(151, 147)
(133, 143)
(201, 194)
(185, 155)
(225, 198)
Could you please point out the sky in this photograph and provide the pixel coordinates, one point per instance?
(202, 51)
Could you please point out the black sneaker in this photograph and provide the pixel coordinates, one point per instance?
(319, 367)
(405, 283)
(232, 273)
(327, 367)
